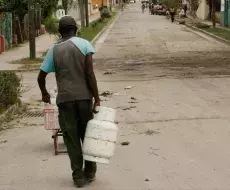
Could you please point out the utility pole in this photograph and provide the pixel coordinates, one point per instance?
(87, 13)
(32, 29)
(214, 13)
(81, 5)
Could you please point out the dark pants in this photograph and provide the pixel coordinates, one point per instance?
(73, 119)
(172, 16)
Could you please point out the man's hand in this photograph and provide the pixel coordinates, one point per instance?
(46, 98)
(95, 105)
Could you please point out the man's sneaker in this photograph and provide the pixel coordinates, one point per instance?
(90, 177)
(79, 182)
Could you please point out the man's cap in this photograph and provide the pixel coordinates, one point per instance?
(67, 21)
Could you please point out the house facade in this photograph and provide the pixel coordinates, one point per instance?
(74, 9)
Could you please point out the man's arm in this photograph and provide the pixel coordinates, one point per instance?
(46, 67)
(42, 85)
(91, 79)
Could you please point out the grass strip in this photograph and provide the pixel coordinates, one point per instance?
(220, 32)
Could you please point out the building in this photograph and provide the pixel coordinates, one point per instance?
(225, 13)
(74, 9)
(203, 10)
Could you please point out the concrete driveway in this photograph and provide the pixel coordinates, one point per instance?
(175, 116)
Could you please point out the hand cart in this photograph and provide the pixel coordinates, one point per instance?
(51, 123)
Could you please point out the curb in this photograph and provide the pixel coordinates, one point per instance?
(205, 32)
(208, 34)
(4, 117)
(105, 28)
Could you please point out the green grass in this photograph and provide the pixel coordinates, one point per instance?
(220, 32)
(27, 61)
(90, 32)
(201, 25)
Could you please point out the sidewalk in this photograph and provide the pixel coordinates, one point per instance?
(219, 33)
(43, 43)
(207, 22)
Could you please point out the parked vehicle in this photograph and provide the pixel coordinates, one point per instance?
(154, 11)
(162, 12)
(158, 9)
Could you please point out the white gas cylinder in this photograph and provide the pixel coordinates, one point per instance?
(105, 114)
(101, 136)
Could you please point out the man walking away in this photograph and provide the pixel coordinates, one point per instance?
(143, 8)
(71, 61)
(172, 13)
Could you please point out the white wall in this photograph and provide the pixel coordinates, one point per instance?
(59, 2)
(203, 10)
(74, 10)
(59, 13)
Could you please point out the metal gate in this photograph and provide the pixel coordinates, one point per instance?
(226, 13)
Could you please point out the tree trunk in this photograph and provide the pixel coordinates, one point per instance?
(210, 8)
(213, 13)
(193, 11)
(18, 30)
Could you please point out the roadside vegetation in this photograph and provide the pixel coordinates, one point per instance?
(220, 32)
(96, 26)
(27, 61)
(29, 64)
(201, 25)
(87, 33)
(10, 88)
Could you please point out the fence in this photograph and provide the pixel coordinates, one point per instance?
(6, 28)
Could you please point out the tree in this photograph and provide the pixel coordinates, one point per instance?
(170, 3)
(1, 3)
(194, 4)
(20, 7)
(48, 7)
(214, 5)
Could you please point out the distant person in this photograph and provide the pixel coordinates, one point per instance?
(143, 7)
(185, 9)
(182, 13)
(150, 8)
(167, 13)
(122, 6)
(172, 13)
